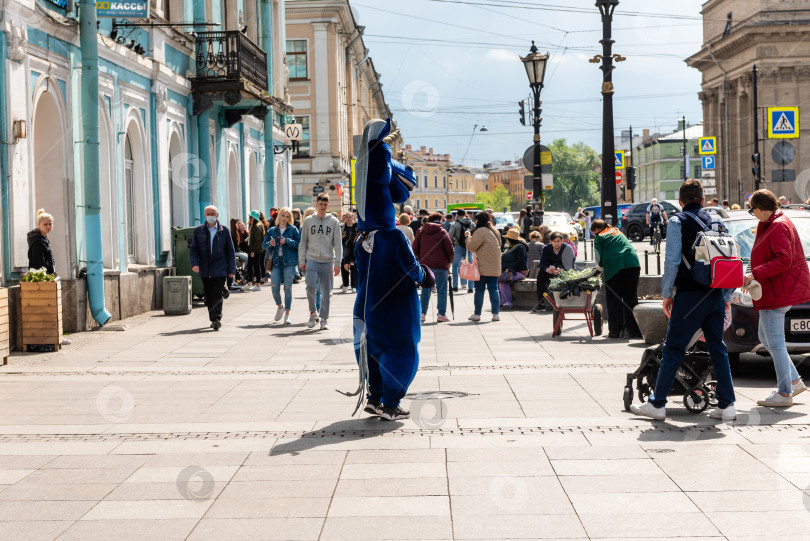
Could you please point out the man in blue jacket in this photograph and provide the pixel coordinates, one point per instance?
(212, 257)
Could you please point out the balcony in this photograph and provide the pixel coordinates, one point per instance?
(232, 70)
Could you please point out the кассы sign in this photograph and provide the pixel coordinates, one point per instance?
(134, 10)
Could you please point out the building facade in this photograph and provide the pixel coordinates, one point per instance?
(178, 128)
(432, 191)
(736, 35)
(510, 176)
(335, 91)
(461, 185)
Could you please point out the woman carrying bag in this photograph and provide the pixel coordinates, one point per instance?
(514, 266)
(485, 243)
(778, 264)
(281, 242)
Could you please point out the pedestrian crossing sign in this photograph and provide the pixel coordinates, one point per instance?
(619, 159)
(707, 145)
(783, 122)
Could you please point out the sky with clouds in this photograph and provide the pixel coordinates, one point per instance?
(449, 65)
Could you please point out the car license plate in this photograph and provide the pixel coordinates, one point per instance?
(800, 325)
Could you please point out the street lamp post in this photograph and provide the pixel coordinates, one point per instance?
(609, 202)
(535, 64)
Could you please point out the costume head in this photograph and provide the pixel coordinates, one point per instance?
(381, 180)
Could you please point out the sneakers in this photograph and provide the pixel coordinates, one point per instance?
(373, 407)
(454, 289)
(776, 400)
(312, 318)
(726, 414)
(324, 325)
(442, 319)
(798, 388)
(470, 291)
(256, 288)
(539, 307)
(216, 325)
(354, 290)
(287, 319)
(474, 317)
(648, 410)
(343, 289)
(496, 317)
(279, 314)
(394, 414)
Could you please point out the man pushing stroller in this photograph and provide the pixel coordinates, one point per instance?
(694, 306)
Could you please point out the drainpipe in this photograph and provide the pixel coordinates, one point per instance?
(203, 138)
(723, 125)
(269, 154)
(4, 200)
(92, 199)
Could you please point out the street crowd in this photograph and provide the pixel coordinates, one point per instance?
(466, 252)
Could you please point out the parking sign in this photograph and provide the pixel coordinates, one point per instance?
(708, 163)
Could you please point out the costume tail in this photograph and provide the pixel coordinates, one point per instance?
(362, 388)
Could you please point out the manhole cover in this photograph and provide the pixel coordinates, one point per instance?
(437, 395)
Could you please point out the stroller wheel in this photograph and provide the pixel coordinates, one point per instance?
(712, 387)
(628, 397)
(696, 399)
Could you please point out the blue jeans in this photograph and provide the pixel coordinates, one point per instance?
(693, 310)
(772, 336)
(459, 253)
(441, 292)
(319, 278)
(282, 274)
(490, 283)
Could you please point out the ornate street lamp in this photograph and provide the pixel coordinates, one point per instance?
(609, 202)
(535, 64)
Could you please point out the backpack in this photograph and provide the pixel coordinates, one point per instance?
(465, 226)
(717, 257)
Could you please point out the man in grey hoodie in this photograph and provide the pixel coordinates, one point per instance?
(320, 252)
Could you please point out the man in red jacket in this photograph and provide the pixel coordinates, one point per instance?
(779, 265)
(434, 249)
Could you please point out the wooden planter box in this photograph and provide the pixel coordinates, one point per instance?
(4, 328)
(41, 304)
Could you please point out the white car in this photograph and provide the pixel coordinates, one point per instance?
(502, 219)
(561, 221)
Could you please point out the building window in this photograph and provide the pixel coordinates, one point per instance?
(437, 204)
(426, 181)
(129, 203)
(435, 181)
(303, 145)
(444, 182)
(698, 171)
(297, 58)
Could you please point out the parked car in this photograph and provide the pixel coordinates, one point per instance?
(561, 221)
(634, 222)
(502, 219)
(742, 336)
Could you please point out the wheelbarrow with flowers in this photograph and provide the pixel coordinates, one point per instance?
(574, 292)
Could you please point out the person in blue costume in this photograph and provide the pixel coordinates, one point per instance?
(387, 328)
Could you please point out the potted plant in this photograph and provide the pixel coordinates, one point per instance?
(41, 308)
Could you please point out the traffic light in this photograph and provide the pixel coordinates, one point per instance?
(757, 166)
(631, 178)
(522, 112)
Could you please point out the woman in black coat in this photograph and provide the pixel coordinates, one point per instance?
(39, 248)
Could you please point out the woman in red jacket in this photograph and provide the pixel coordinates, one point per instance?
(433, 248)
(779, 265)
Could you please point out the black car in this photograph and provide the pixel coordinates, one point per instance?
(742, 335)
(634, 221)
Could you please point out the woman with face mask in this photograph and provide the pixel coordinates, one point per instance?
(39, 248)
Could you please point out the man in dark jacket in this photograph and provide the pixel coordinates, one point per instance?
(693, 307)
(348, 270)
(212, 257)
(417, 223)
(460, 226)
(433, 249)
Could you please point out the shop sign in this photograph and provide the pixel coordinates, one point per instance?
(132, 10)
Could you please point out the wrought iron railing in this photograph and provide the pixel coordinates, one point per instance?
(230, 56)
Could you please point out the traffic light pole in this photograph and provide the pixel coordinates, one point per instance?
(631, 170)
(537, 177)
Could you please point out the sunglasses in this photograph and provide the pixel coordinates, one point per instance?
(751, 211)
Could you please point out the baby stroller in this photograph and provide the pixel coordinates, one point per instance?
(240, 277)
(692, 381)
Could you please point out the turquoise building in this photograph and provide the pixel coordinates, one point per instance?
(191, 103)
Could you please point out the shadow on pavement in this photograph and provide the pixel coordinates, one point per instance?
(336, 433)
(188, 331)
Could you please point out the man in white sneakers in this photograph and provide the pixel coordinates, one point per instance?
(320, 252)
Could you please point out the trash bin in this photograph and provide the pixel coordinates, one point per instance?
(182, 258)
(176, 295)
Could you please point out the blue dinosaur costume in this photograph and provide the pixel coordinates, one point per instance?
(387, 328)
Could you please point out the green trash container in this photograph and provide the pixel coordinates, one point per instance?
(182, 258)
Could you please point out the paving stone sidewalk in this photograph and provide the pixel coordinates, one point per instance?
(169, 430)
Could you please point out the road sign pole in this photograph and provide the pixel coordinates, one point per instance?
(685, 155)
(757, 170)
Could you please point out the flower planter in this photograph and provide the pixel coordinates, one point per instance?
(41, 307)
(4, 328)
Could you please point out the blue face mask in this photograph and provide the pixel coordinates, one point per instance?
(211, 220)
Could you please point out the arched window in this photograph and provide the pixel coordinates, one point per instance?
(129, 200)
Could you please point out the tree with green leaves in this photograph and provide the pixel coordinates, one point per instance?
(576, 178)
(496, 199)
